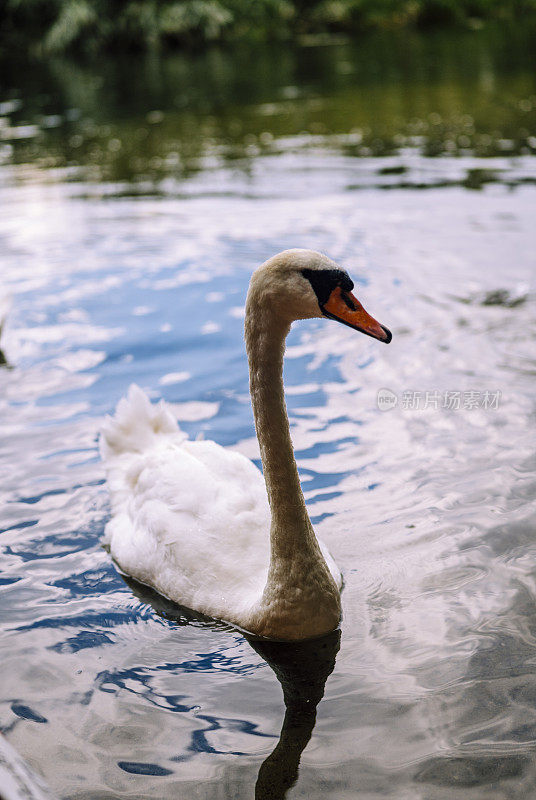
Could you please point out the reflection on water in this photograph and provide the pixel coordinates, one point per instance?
(438, 94)
(428, 507)
(301, 668)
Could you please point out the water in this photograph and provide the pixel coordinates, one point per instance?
(126, 264)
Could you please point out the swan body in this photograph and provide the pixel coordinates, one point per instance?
(189, 518)
(200, 523)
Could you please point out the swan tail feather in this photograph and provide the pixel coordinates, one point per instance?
(136, 424)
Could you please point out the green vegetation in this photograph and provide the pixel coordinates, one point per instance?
(149, 118)
(56, 26)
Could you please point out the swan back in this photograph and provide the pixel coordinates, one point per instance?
(188, 518)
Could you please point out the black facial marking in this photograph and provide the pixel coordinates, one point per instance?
(348, 300)
(324, 281)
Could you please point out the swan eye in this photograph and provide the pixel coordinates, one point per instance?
(324, 281)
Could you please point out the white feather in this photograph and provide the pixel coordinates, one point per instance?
(185, 513)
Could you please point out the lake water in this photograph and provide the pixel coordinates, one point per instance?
(137, 197)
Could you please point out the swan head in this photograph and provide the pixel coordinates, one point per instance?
(300, 284)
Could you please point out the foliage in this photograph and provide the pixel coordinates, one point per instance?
(62, 25)
(76, 18)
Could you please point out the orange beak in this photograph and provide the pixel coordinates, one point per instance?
(346, 308)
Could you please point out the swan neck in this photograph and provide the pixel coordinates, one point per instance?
(265, 335)
(300, 599)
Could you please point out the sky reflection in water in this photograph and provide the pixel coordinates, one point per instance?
(430, 512)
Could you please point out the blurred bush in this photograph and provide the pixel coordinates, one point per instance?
(92, 25)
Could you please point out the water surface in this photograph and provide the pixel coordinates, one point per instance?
(127, 263)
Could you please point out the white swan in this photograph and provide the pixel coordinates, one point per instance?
(197, 522)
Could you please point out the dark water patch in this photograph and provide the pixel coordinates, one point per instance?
(96, 482)
(472, 771)
(36, 498)
(506, 655)
(214, 662)
(56, 545)
(200, 743)
(307, 399)
(324, 448)
(335, 421)
(63, 451)
(142, 768)
(53, 492)
(398, 169)
(524, 694)
(98, 619)
(29, 523)
(502, 297)
(477, 178)
(507, 298)
(99, 582)
(303, 373)
(506, 538)
(110, 681)
(470, 181)
(316, 519)
(168, 192)
(525, 734)
(323, 480)
(25, 712)
(82, 641)
(323, 496)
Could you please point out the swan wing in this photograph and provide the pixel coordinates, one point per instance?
(184, 514)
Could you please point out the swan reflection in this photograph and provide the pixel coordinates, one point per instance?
(302, 669)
